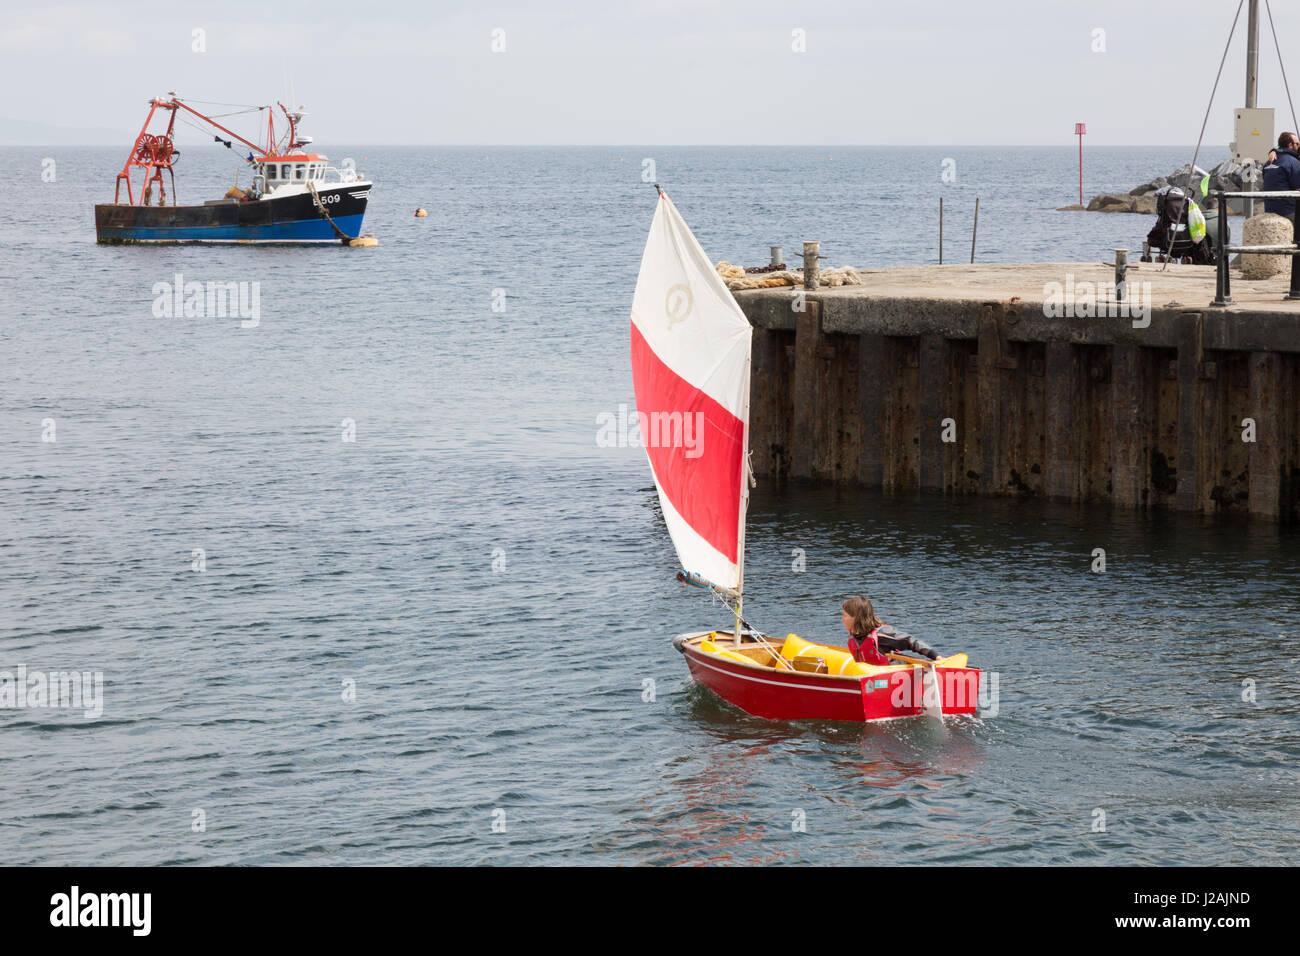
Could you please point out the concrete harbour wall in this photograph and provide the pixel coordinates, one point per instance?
(865, 385)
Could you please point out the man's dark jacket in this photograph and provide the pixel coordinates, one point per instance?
(1282, 173)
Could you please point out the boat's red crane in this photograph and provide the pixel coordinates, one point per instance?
(154, 152)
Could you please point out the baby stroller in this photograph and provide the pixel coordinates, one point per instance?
(1179, 233)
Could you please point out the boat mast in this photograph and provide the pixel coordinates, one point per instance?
(745, 480)
(735, 634)
(293, 127)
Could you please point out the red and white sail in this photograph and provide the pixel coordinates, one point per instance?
(690, 368)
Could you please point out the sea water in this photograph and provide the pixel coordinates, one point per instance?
(365, 585)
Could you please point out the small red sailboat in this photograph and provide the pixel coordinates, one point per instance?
(690, 368)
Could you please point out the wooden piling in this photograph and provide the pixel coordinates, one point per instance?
(988, 359)
(808, 341)
(1268, 411)
(811, 253)
(1190, 454)
(771, 407)
(1063, 391)
(935, 406)
(1127, 425)
(871, 404)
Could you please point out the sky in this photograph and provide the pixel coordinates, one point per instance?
(648, 72)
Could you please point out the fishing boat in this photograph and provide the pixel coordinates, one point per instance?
(690, 368)
(295, 196)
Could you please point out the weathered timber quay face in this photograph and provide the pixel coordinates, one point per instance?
(1006, 380)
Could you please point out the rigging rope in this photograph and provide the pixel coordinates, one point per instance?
(1217, 77)
(320, 206)
(1197, 152)
(1278, 47)
(249, 106)
(206, 132)
(194, 126)
(725, 602)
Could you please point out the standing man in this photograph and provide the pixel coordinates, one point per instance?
(1282, 171)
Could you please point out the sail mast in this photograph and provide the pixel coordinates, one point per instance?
(745, 480)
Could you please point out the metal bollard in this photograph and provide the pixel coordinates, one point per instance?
(1121, 274)
(811, 252)
(776, 256)
(1295, 260)
(1222, 288)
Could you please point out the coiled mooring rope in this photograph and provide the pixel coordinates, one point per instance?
(321, 207)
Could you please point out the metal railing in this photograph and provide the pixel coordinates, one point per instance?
(1222, 290)
(345, 175)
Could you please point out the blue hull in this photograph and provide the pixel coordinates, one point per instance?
(309, 230)
(288, 219)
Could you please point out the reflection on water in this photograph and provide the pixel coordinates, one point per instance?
(1113, 686)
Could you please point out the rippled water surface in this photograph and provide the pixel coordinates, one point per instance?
(499, 589)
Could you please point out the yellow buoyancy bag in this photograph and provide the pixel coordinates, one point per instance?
(839, 663)
(710, 648)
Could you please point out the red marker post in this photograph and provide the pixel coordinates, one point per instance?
(1079, 130)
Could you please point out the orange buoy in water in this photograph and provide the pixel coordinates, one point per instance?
(420, 213)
